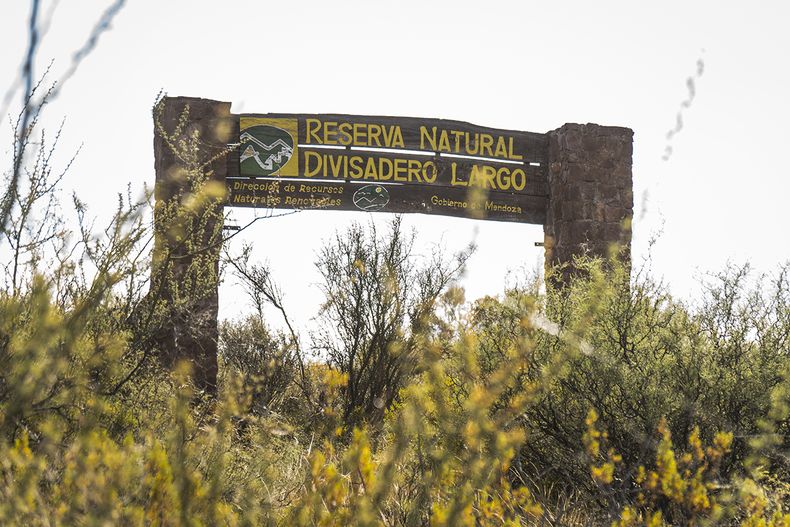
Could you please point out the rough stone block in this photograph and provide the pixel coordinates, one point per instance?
(590, 190)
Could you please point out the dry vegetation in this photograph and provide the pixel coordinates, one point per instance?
(607, 402)
(604, 403)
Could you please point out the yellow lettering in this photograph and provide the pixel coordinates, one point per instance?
(511, 154)
(345, 133)
(307, 157)
(430, 176)
(370, 169)
(486, 142)
(336, 164)
(388, 175)
(360, 134)
(474, 176)
(398, 140)
(414, 170)
(444, 142)
(392, 136)
(330, 133)
(488, 176)
(453, 175)
(356, 167)
(312, 126)
(522, 179)
(429, 137)
(503, 184)
(457, 136)
(501, 149)
(477, 144)
(400, 170)
(374, 131)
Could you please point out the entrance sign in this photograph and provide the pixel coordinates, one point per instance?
(576, 181)
(388, 164)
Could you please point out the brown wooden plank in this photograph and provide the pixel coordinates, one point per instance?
(394, 167)
(526, 146)
(280, 193)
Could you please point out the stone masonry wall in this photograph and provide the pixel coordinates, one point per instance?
(591, 197)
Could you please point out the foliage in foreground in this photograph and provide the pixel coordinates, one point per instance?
(452, 450)
(606, 403)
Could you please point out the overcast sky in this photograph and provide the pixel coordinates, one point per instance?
(521, 65)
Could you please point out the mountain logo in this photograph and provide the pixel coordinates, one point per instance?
(371, 198)
(264, 150)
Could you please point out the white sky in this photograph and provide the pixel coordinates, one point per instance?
(507, 64)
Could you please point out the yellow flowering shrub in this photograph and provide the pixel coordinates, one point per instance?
(489, 424)
(685, 488)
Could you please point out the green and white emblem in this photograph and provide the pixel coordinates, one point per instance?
(264, 150)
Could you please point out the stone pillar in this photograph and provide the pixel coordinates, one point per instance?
(591, 198)
(185, 269)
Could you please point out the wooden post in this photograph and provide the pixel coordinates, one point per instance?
(186, 246)
(591, 198)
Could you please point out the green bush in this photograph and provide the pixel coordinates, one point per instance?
(463, 444)
(641, 358)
